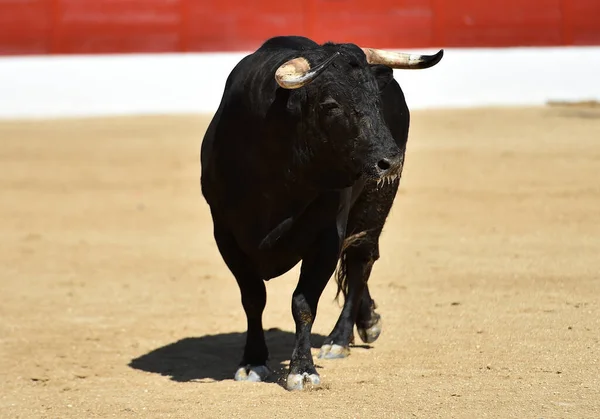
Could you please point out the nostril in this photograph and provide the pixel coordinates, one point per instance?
(384, 164)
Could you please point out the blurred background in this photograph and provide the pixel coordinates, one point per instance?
(119, 26)
(113, 57)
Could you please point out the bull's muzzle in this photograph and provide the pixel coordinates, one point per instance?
(388, 169)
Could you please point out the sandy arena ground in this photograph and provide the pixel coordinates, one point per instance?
(116, 303)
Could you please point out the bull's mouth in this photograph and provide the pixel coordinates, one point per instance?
(387, 179)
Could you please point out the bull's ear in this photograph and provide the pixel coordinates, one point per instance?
(383, 74)
(295, 100)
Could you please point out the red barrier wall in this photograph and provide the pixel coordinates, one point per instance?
(107, 26)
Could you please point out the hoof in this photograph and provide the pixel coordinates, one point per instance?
(370, 334)
(334, 351)
(254, 373)
(302, 381)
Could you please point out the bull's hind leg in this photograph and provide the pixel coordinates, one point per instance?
(358, 262)
(368, 322)
(254, 298)
(365, 224)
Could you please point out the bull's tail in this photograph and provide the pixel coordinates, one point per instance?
(341, 274)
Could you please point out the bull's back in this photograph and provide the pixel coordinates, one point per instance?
(240, 122)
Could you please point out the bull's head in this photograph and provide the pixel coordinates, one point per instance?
(341, 104)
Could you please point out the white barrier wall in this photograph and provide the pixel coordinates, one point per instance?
(64, 86)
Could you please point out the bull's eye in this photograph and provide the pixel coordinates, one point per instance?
(329, 104)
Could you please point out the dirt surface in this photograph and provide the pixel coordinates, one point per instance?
(116, 303)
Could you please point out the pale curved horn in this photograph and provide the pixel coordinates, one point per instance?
(402, 60)
(297, 72)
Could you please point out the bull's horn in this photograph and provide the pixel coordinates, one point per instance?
(297, 72)
(402, 60)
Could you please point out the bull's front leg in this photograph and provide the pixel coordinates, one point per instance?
(317, 267)
(254, 298)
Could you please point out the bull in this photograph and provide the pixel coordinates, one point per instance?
(301, 163)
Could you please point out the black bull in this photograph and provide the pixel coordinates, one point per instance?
(302, 162)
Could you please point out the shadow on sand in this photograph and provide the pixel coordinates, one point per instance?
(216, 357)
